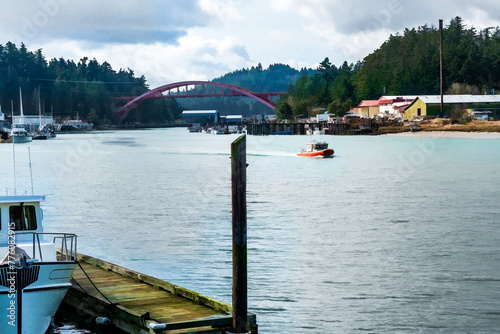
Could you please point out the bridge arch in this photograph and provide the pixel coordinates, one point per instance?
(234, 91)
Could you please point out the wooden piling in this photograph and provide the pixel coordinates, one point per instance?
(441, 65)
(239, 208)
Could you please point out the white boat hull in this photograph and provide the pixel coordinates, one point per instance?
(21, 139)
(39, 299)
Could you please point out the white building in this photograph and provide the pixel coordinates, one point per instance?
(233, 119)
(200, 116)
(389, 105)
(322, 117)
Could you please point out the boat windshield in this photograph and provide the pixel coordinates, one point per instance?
(321, 146)
(23, 217)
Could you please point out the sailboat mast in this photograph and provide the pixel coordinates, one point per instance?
(21, 101)
(39, 110)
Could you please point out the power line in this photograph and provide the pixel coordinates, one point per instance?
(90, 82)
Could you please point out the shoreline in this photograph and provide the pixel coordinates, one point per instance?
(448, 134)
(440, 128)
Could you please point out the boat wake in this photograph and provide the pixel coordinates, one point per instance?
(271, 154)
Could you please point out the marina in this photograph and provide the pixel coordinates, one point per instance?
(299, 128)
(372, 262)
(232, 167)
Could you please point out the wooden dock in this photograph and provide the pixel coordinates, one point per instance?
(138, 303)
(263, 129)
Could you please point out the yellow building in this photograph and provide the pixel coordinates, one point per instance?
(368, 108)
(430, 105)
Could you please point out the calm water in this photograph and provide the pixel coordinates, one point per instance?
(392, 235)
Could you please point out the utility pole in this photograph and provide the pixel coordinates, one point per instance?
(441, 63)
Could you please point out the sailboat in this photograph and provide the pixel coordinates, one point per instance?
(18, 133)
(43, 131)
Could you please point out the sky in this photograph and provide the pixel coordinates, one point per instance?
(170, 41)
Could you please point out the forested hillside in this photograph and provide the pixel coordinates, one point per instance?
(275, 78)
(406, 64)
(84, 89)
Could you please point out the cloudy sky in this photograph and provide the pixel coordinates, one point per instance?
(169, 41)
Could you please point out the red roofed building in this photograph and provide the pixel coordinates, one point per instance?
(399, 109)
(389, 105)
(386, 105)
(368, 108)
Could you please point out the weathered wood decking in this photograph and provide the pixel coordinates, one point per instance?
(138, 300)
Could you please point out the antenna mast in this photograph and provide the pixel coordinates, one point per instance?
(14, 162)
(31, 173)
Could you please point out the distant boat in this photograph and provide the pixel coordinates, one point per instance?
(283, 133)
(40, 136)
(74, 125)
(217, 131)
(18, 135)
(317, 149)
(43, 133)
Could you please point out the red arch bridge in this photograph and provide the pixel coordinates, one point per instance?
(194, 89)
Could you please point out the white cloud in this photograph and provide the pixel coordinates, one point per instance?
(100, 21)
(169, 41)
(221, 10)
(479, 18)
(192, 58)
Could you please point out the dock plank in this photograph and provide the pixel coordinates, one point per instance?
(138, 297)
(134, 294)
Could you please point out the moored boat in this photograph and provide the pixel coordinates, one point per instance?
(317, 149)
(217, 131)
(42, 133)
(18, 134)
(40, 136)
(36, 268)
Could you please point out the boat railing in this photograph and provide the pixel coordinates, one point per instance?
(65, 244)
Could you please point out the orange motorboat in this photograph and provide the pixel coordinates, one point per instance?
(317, 149)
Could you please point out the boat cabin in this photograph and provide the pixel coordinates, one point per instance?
(312, 147)
(20, 214)
(21, 227)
